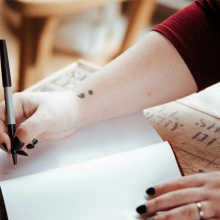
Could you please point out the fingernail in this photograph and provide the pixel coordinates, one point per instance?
(21, 152)
(17, 144)
(30, 146)
(34, 141)
(141, 209)
(151, 191)
(5, 146)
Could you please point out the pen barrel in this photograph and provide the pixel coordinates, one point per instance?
(9, 105)
(6, 77)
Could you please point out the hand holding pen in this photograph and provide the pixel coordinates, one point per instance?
(37, 115)
(16, 144)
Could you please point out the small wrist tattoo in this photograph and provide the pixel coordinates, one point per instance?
(81, 95)
(90, 92)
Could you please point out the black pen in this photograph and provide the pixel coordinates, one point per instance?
(6, 81)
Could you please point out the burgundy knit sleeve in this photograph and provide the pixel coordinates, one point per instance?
(195, 33)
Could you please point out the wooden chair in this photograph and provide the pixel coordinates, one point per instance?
(39, 19)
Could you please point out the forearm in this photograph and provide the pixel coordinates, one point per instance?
(148, 74)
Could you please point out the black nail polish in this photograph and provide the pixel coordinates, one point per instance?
(34, 141)
(151, 191)
(30, 146)
(21, 152)
(17, 144)
(141, 209)
(5, 146)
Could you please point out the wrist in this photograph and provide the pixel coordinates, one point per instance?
(80, 110)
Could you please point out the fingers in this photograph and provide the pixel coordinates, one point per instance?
(4, 147)
(179, 196)
(189, 212)
(24, 150)
(31, 128)
(28, 122)
(174, 199)
(54, 136)
(196, 180)
(32, 145)
(5, 141)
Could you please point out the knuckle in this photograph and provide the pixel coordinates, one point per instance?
(186, 211)
(155, 204)
(181, 182)
(160, 188)
(177, 195)
(167, 216)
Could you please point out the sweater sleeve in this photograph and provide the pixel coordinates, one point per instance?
(195, 33)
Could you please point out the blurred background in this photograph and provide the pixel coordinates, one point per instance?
(44, 36)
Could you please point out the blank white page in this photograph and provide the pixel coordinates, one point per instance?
(207, 100)
(93, 141)
(108, 188)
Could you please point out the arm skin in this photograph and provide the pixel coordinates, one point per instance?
(195, 32)
(148, 74)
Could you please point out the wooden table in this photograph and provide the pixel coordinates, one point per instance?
(193, 135)
(39, 22)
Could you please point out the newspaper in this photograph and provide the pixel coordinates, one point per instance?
(65, 78)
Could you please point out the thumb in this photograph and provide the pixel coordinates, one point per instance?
(28, 130)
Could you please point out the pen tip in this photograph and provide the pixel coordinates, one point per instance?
(15, 167)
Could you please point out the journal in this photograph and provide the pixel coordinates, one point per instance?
(99, 173)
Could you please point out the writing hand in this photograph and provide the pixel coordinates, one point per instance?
(42, 116)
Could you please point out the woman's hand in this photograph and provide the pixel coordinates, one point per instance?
(43, 116)
(181, 199)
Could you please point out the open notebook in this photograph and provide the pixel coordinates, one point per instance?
(101, 172)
